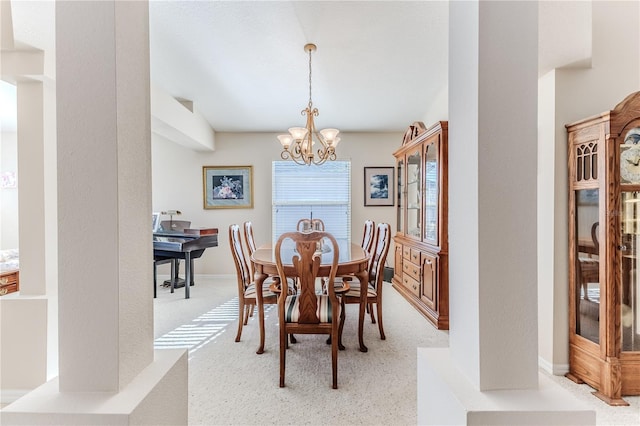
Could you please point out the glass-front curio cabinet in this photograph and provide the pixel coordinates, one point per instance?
(421, 271)
(604, 251)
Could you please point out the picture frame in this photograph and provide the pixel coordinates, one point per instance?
(155, 220)
(227, 187)
(379, 186)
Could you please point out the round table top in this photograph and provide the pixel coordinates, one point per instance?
(352, 257)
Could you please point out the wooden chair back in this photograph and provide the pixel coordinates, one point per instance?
(251, 244)
(379, 255)
(306, 260)
(308, 225)
(242, 268)
(368, 235)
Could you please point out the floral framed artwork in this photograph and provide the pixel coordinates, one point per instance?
(227, 187)
(378, 186)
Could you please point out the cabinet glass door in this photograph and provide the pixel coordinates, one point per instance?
(629, 239)
(401, 195)
(414, 194)
(587, 288)
(629, 266)
(431, 193)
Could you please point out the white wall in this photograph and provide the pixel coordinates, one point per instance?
(177, 185)
(573, 94)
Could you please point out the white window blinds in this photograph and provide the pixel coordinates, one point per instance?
(318, 192)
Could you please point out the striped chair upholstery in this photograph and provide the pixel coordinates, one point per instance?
(323, 311)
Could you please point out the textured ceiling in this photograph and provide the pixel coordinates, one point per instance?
(242, 63)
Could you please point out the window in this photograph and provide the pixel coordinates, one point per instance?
(318, 192)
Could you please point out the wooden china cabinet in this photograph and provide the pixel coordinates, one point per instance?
(421, 272)
(604, 251)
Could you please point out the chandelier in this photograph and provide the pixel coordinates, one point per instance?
(299, 143)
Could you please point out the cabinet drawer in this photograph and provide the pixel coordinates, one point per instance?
(412, 270)
(8, 278)
(411, 284)
(406, 252)
(8, 288)
(9, 282)
(415, 256)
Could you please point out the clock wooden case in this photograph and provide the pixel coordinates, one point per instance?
(604, 251)
(421, 272)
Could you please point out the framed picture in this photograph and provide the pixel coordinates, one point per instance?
(227, 187)
(378, 186)
(156, 221)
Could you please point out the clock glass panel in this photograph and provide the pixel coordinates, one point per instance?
(630, 163)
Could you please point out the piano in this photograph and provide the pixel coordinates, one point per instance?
(189, 244)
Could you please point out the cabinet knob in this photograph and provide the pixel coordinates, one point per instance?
(622, 247)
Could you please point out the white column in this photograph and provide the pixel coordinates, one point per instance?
(104, 193)
(31, 169)
(489, 375)
(493, 158)
(109, 373)
(23, 348)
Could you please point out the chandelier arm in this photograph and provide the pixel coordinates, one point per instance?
(285, 155)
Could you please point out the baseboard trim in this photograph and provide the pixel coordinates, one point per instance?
(162, 277)
(554, 369)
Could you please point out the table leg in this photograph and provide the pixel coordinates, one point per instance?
(174, 273)
(259, 279)
(187, 273)
(155, 279)
(363, 277)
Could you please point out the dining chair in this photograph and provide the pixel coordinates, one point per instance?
(306, 225)
(246, 285)
(368, 237)
(376, 277)
(308, 311)
(252, 247)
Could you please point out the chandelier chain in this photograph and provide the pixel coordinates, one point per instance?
(310, 103)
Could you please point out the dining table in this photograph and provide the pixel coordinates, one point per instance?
(353, 260)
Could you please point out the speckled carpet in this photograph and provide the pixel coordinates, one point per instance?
(229, 384)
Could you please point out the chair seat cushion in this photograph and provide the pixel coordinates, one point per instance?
(323, 311)
(250, 292)
(354, 290)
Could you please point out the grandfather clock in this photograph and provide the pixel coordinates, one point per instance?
(604, 251)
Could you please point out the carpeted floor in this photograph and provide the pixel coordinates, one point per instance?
(229, 384)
